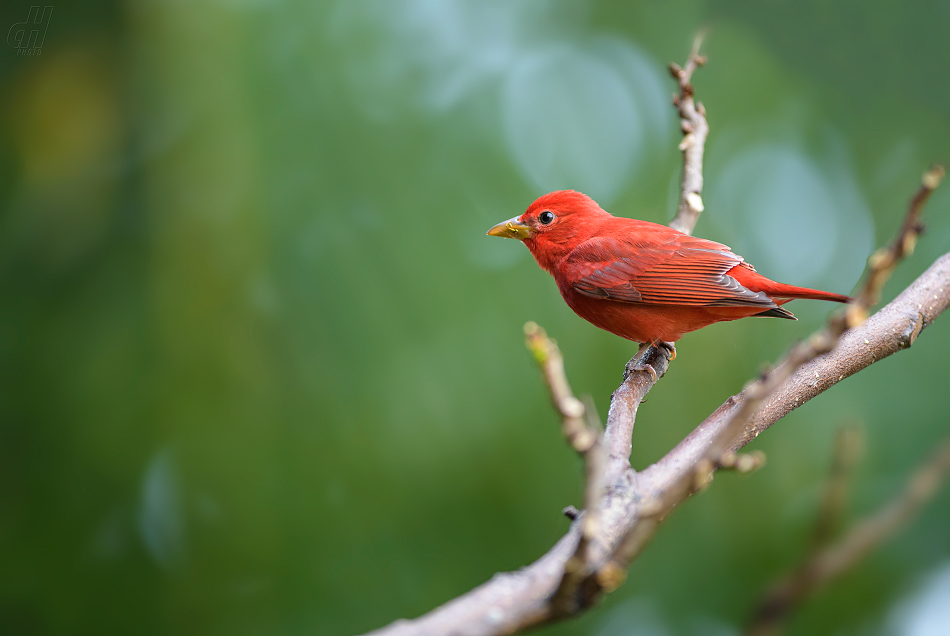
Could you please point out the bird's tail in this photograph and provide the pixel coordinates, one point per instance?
(780, 292)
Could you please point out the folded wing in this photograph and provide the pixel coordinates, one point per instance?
(676, 270)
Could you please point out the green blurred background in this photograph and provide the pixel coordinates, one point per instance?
(262, 372)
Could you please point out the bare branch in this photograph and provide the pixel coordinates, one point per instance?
(517, 600)
(586, 439)
(881, 265)
(625, 508)
(695, 129)
(778, 602)
(827, 564)
(883, 262)
(582, 438)
(639, 375)
(849, 443)
(513, 601)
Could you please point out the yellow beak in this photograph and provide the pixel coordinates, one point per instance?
(512, 228)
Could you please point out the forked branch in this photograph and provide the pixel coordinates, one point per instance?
(829, 562)
(624, 508)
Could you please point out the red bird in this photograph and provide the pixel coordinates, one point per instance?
(639, 280)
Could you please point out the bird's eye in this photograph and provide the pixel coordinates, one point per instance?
(546, 217)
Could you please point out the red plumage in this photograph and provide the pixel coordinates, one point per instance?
(640, 280)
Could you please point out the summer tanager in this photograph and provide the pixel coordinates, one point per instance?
(639, 280)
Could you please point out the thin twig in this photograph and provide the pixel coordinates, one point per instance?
(582, 437)
(831, 562)
(585, 437)
(848, 446)
(695, 129)
(881, 265)
(894, 328)
(779, 600)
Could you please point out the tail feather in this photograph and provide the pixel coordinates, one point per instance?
(777, 312)
(783, 293)
(780, 292)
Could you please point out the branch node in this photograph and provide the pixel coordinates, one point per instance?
(910, 240)
(703, 474)
(933, 177)
(571, 512)
(695, 201)
(570, 406)
(908, 337)
(879, 259)
(611, 576)
(650, 508)
(743, 462)
(855, 315)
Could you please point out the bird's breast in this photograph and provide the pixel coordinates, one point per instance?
(646, 322)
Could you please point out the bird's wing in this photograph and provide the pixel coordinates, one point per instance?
(680, 270)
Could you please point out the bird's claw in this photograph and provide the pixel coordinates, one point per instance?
(670, 347)
(643, 367)
(647, 368)
(659, 344)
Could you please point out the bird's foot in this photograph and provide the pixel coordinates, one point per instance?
(670, 348)
(635, 365)
(646, 368)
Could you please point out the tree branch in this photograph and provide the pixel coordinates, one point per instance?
(826, 564)
(849, 443)
(695, 129)
(585, 437)
(592, 559)
(516, 600)
(513, 601)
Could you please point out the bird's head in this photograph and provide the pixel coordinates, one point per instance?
(554, 225)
